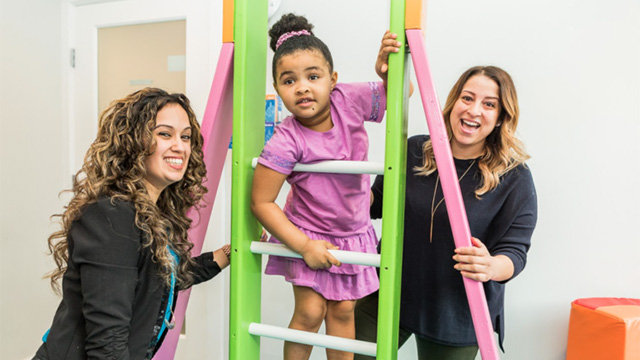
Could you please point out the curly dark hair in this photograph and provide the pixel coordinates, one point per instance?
(114, 167)
(291, 22)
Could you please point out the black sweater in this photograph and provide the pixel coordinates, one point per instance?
(433, 300)
(113, 299)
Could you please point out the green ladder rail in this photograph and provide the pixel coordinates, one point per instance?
(249, 82)
(394, 191)
(250, 38)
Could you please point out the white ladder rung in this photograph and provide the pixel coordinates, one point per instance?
(338, 167)
(346, 257)
(308, 338)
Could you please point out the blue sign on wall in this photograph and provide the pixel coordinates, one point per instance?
(272, 116)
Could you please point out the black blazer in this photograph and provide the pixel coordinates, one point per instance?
(113, 300)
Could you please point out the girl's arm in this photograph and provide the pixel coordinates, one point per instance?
(388, 45)
(266, 186)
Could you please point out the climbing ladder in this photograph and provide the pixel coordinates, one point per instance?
(241, 72)
(250, 33)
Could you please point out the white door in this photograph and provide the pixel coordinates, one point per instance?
(206, 319)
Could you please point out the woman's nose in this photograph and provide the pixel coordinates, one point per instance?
(178, 145)
(475, 109)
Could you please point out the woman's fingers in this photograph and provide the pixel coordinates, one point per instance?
(474, 262)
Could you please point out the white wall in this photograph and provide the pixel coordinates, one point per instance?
(33, 171)
(576, 68)
(35, 167)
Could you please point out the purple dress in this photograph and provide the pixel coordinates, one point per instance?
(330, 207)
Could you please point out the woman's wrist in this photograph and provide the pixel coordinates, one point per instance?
(222, 256)
(503, 268)
(226, 249)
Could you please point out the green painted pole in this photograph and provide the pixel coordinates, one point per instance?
(250, 53)
(394, 193)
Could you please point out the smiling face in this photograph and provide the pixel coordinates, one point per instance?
(304, 82)
(168, 162)
(474, 116)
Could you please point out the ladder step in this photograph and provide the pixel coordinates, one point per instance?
(346, 257)
(308, 338)
(338, 167)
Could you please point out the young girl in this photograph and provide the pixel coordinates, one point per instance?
(323, 211)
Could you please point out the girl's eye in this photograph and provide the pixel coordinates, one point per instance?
(164, 134)
(288, 82)
(314, 77)
(186, 137)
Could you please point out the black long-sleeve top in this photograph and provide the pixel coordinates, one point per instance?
(113, 300)
(433, 300)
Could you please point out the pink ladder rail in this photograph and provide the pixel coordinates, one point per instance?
(451, 189)
(217, 126)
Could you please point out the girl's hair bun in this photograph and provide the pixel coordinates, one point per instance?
(287, 23)
(293, 33)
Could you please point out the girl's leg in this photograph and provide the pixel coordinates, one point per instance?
(340, 322)
(428, 350)
(310, 310)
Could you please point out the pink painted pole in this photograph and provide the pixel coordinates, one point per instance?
(451, 189)
(217, 126)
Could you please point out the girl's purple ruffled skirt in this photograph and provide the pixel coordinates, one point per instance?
(347, 282)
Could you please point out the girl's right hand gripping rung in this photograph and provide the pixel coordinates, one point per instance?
(316, 255)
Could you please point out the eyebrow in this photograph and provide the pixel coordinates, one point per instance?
(310, 68)
(313, 68)
(170, 127)
(471, 92)
(285, 73)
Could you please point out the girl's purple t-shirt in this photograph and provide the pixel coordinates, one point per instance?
(335, 204)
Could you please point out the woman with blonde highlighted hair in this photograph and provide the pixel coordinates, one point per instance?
(503, 151)
(123, 252)
(481, 117)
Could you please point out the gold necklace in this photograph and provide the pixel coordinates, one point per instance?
(433, 200)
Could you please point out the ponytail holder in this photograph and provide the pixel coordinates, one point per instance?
(284, 37)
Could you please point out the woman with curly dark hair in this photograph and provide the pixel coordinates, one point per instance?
(123, 252)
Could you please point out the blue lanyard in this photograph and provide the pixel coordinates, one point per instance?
(168, 313)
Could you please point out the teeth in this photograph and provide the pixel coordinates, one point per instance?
(468, 123)
(173, 161)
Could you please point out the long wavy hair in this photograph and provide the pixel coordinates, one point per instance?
(114, 167)
(503, 151)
